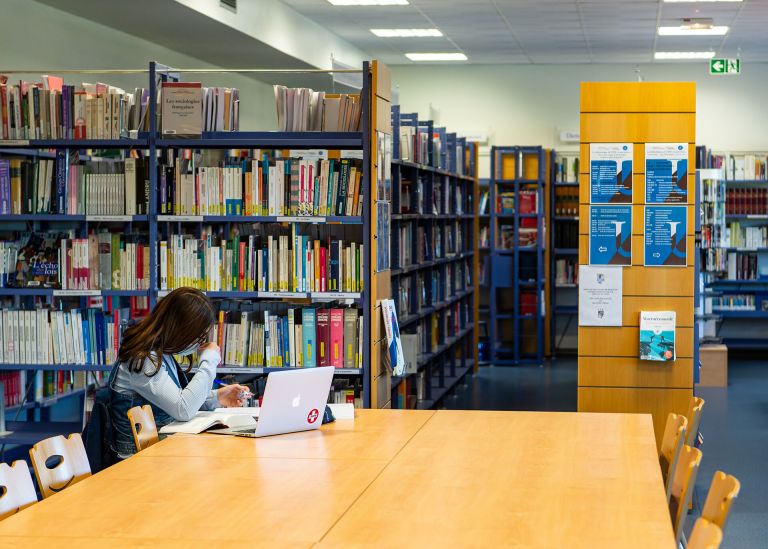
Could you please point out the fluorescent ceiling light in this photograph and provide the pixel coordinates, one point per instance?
(406, 33)
(436, 56)
(369, 2)
(692, 1)
(684, 55)
(693, 31)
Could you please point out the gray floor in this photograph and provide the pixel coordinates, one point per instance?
(734, 425)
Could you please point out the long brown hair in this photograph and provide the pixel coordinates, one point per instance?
(180, 319)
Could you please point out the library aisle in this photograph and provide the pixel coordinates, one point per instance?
(469, 263)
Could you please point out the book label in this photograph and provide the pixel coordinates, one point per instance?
(657, 335)
(666, 173)
(14, 142)
(610, 173)
(610, 235)
(666, 242)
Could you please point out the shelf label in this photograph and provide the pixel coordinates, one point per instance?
(335, 295)
(78, 293)
(182, 218)
(109, 218)
(352, 154)
(280, 295)
(309, 154)
(14, 142)
(300, 219)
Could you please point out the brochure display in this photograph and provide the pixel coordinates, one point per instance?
(610, 173)
(657, 335)
(666, 173)
(610, 235)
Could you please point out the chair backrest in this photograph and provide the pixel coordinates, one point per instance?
(59, 462)
(705, 535)
(17, 490)
(143, 426)
(674, 436)
(694, 419)
(723, 490)
(683, 480)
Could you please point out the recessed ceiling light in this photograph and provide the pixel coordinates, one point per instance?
(369, 2)
(406, 33)
(684, 55)
(693, 31)
(436, 56)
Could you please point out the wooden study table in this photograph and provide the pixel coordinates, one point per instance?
(390, 478)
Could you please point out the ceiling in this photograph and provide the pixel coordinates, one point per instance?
(545, 31)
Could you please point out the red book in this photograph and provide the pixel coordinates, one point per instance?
(323, 328)
(528, 202)
(4, 110)
(323, 269)
(337, 338)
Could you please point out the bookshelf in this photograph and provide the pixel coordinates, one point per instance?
(564, 251)
(434, 258)
(152, 226)
(733, 247)
(517, 259)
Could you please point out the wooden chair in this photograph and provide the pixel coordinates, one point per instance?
(683, 480)
(16, 488)
(705, 535)
(694, 419)
(143, 426)
(59, 462)
(674, 436)
(723, 490)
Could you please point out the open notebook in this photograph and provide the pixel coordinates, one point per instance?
(226, 418)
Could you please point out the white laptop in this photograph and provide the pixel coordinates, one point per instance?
(293, 401)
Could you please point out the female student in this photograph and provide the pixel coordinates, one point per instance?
(147, 373)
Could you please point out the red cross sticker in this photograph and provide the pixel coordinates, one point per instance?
(312, 416)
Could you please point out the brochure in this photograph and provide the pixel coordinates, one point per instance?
(657, 335)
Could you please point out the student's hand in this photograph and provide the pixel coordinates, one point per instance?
(209, 346)
(229, 396)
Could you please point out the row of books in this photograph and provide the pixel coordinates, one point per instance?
(51, 109)
(528, 202)
(76, 336)
(741, 166)
(746, 201)
(302, 338)
(713, 213)
(712, 190)
(712, 235)
(485, 197)
(189, 108)
(567, 201)
(742, 266)
(290, 186)
(58, 260)
(566, 235)
(526, 237)
(566, 271)
(268, 263)
(414, 146)
(566, 168)
(715, 259)
(734, 302)
(23, 386)
(739, 236)
(48, 186)
(305, 110)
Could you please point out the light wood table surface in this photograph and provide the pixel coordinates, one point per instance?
(420, 479)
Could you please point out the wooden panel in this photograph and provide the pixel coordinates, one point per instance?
(382, 80)
(637, 252)
(625, 341)
(666, 281)
(638, 97)
(383, 117)
(631, 307)
(638, 219)
(638, 158)
(657, 402)
(638, 127)
(633, 372)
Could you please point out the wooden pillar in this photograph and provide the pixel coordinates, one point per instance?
(611, 377)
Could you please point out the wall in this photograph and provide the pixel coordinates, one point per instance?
(530, 105)
(40, 37)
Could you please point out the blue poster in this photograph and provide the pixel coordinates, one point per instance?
(665, 236)
(666, 173)
(610, 173)
(610, 235)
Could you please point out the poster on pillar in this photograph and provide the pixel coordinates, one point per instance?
(666, 242)
(610, 173)
(666, 173)
(610, 235)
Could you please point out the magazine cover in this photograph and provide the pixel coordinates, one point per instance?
(657, 335)
(394, 344)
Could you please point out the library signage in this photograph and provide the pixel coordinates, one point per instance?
(666, 173)
(600, 290)
(610, 235)
(666, 243)
(724, 66)
(610, 173)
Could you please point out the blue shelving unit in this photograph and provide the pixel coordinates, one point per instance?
(448, 277)
(520, 267)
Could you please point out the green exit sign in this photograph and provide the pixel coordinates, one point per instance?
(724, 66)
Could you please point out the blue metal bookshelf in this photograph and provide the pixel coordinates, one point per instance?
(433, 281)
(515, 267)
(153, 144)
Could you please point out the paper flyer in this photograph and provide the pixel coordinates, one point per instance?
(610, 173)
(610, 235)
(600, 291)
(666, 243)
(666, 173)
(657, 335)
(394, 344)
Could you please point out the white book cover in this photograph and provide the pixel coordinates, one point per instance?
(292, 337)
(205, 420)
(394, 344)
